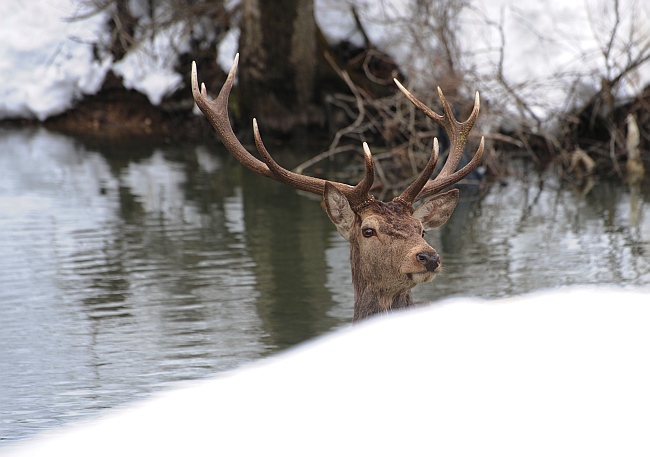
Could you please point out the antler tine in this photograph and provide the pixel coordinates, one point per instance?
(410, 193)
(458, 133)
(441, 182)
(357, 196)
(296, 180)
(217, 113)
(366, 183)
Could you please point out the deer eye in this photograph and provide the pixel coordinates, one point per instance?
(368, 232)
(424, 232)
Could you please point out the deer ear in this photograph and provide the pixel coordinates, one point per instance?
(435, 211)
(338, 210)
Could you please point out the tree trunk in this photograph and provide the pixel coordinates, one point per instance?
(278, 52)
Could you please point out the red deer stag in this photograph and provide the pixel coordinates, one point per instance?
(388, 253)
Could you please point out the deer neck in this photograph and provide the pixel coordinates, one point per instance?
(367, 303)
(370, 299)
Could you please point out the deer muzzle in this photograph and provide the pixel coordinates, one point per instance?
(429, 260)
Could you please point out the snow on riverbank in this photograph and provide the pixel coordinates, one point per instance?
(559, 373)
(47, 63)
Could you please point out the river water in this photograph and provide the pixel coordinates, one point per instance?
(126, 268)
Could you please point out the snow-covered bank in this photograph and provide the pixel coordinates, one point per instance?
(552, 53)
(46, 61)
(558, 373)
(48, 58)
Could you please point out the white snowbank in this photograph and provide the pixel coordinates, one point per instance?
(149, 68)
(46, 61)
(559, 373)
(551, 50)
(46, 58)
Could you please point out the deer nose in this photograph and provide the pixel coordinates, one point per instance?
(430, 260)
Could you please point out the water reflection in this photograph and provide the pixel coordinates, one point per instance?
(118, 276)
(123, 268)
(541, 233)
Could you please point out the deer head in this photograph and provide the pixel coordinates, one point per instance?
(388, 253)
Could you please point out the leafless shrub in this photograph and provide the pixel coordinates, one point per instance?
(574, 118)
(400, 135)
(601, 126)
(584, 132)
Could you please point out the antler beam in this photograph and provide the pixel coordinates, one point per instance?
(217, 113)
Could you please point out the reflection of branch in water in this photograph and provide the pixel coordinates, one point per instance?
(635, 173)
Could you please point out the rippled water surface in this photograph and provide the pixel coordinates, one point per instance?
(123, 269)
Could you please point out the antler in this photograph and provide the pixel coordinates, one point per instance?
(217, 113)
(458, 133)
(358, 196)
